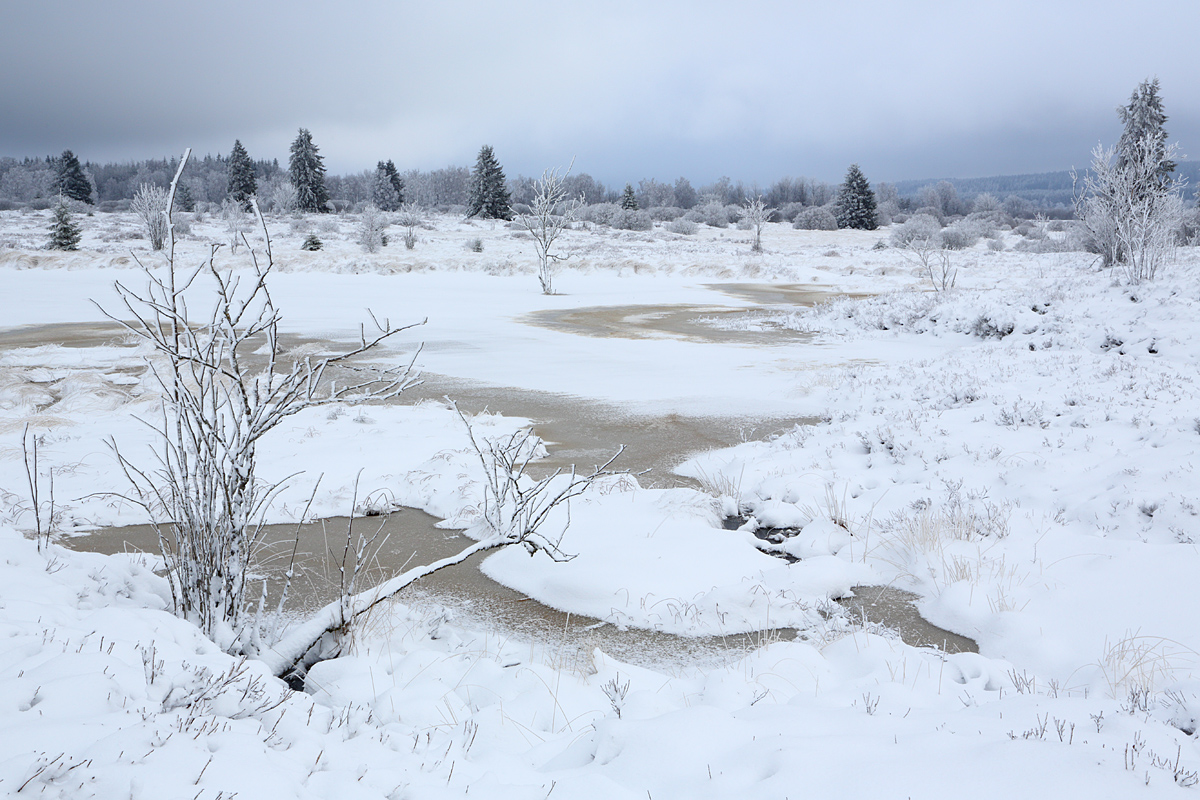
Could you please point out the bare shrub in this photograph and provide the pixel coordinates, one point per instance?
(150, 204)
(204, 498)
(409, 217)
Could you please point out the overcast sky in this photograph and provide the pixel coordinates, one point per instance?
(753, 90)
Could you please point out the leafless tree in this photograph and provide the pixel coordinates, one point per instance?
(1130, 212)
(237, 222)
(551, 212)
(756, 214)
(204, 496)
(284, 198)
(927, 250)
(409, 217)
(149, 203)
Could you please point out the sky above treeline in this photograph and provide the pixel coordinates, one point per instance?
(630, 90)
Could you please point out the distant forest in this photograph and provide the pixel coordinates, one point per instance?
(31, 183)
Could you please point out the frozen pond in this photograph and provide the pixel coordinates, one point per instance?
(577, 432)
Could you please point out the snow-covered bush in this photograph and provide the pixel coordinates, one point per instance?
(370, 229)
(150, 204)
(630, 220)
(960, 235)
(599, 213)
(665, 213)
(789, 211)
(684, 227)
(713, 214)
(818, 218)
(931, 211)
(917, 227)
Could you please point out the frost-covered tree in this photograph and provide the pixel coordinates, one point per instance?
(150, 204)
(306, 168)
(489, 197)
(551, 212)
(856, 202)
(1128, 202)
(370, 229)
(64, 233)
(387, 189)
(685, 195)
(756, 214)
(73, 182)
(629, 199)
(242, 184)
(1144, 121)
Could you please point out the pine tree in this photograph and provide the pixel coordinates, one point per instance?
(856, 202)
(489, 197)
(242, 183)
(183, 198)
(1144, 119)
(629, 199)
(312, 242)
(388, 188)
(307, 171)
(64, 233)
(73, 183)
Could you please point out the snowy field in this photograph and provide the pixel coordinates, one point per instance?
(1018, 452)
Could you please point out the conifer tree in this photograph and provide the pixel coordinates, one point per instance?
(629, 199)
(307, 171)
(388, 189)
(73, 183)
(242, 183)
(489, 197)
(856, 202)
(183, 198)
(1144, 136)
(64, 233)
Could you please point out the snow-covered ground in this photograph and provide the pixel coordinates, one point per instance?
(1018, 452)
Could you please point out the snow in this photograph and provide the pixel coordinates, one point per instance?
(1018, 452)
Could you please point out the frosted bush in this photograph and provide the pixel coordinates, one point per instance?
(713, 214)
(599, 213)
(150, 204)
(815, 219)
(918, 227)
(684, 227)
(629, 220)
(959, 236)
(790, 210)
(665, 213)
(931, 211)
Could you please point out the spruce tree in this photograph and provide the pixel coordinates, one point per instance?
(307, 171)
(183, 198)
(629, 199)
(64, 233)
(388, 188)
(856, 202)
(72, 181)
(242, 183)
(1144, 119)
(489, 196)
